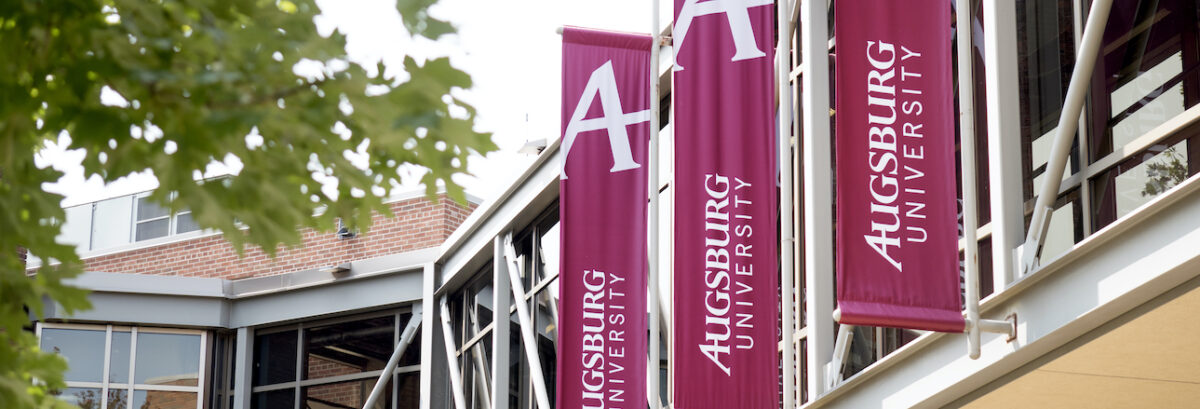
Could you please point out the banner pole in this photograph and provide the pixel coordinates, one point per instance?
(966, 126)
(966, 109)
(786, 233)
(652, 255)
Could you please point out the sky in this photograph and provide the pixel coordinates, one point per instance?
(510, 48)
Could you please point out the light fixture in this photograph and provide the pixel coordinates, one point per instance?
(337, 270)
(534, 147)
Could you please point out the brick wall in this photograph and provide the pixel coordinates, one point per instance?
(417, 224)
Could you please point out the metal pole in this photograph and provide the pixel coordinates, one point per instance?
(501, 327)
(652, 256)
(1081, 76)
(481, 372)
(818, 191)
(966, 126)
(787, 234)
(535, 363)
(410, 331)
(456, 387)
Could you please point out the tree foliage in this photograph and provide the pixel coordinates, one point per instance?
(190, 82)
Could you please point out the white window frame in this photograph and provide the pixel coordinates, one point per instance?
(131, 387)
(172, 220)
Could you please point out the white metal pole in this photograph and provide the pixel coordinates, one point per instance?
(966, 126)
(535, 363)
(410, 331)
(481, 372)
(456, 387)
(818, 191)
(787, 235)
(652, 280)
(1081, 76)
(501, 327)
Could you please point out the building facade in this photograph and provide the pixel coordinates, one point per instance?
(1103, 312)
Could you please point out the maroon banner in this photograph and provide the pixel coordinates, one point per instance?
(897, 234)
(726, 303)
(602, 284)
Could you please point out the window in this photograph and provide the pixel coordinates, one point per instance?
(471, 309)
(334, 364)
(114, 367)
(154, 221)
(1148, 72)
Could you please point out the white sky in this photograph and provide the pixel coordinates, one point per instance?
(510, 49)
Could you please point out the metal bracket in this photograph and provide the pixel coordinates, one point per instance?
(841, 353)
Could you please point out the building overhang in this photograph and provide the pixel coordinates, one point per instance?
(217, 303)
(1139, 259)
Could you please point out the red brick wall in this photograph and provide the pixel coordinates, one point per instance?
(417, 224)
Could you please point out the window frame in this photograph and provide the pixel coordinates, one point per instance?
(299, 384)
(131, 387)
(172, 219)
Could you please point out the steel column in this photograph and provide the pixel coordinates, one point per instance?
(1004, 148)
(456, 387)
(501, 327)
(818, 191)
(528, 341)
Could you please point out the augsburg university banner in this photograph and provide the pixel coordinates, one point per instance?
(897, 229)
(606, 133)
(726, 236)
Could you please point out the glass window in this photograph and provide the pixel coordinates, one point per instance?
(341, 360)
(152, 220)
(348, 347)
(1147, 71)
(163, 399)
(84, 398)
(83, 350)
(278, 399)
(537, 251)
(1045, 58)
(1138, 179)
(351, 394)
(275, 358)
(167, 359)
(161, 359)
(184, 223)
(118, 365)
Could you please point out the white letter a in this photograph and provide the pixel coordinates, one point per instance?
(604, 83)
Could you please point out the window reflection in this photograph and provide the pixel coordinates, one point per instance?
(83, 350)
(161, 359)
(1147, 69)
(167, 359)
(348, 347)
(164, 400)
(118, 365)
